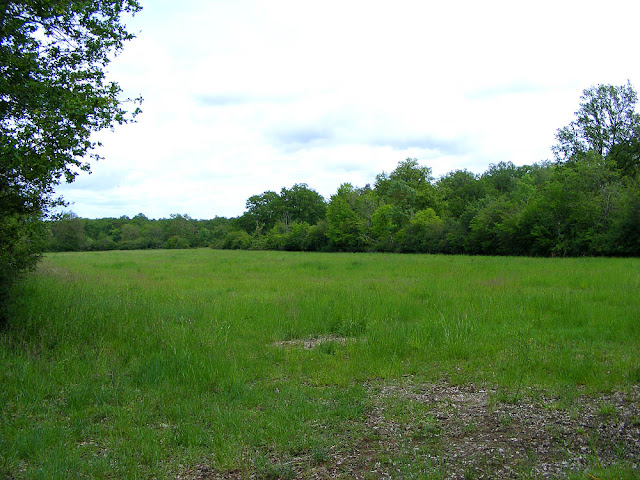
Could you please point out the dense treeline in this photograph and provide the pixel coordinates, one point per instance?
(589, 206)
(71, 233)
(586, 202)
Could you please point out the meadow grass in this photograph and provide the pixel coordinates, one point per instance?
(143, 364)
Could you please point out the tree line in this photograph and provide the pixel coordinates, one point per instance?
(589, 206)
(585, 202)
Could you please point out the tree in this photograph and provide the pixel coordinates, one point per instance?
(182, 226)
(623, 235)
(459, 189)
(346, 228)
(296, 237)
(409, 187)
(302, 204)
(296, 204)
(573, 211)
(606, 118)
(423, 233)
(503, 177)
(237, 240)
(626, 155)
(316, 239)
(130, 236)
(385, 223)
(265, 209)
(53, 95)
(68, 233)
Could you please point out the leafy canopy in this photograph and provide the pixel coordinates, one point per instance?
(605, 120)
(53, 95)
(53, 92)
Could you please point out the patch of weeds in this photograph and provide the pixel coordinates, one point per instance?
(506, 420)
(621, 451)
(492, 401)
(593, 445)
(372, 437)
(276, 471)
(470, 473)
(508, 396)
(575, 412)
(607, 410)
(551, 406)
(279, 471)
(427, 428)
(319, 455)
(470, 428)
(6, 466)
(329, 348)
(556, 434)
(267, 470)
(616, 472)
(634, 375)
(351, 327)
(385, 460)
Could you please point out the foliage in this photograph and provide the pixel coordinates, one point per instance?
(459, 189)
(347, 228)
(409, 186)
(22, 239)
(386, 222)
(587, 205)
(264, 209)
(175, 241)
(237, 240)
(316, 239)
(606, 119)
(423, 233)
(302, 204)
(296, 204)
(69, 233)
(53, 95)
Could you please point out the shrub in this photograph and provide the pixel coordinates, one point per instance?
(237, 240)
(176, 242)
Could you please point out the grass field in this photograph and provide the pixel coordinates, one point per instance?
(228, 364)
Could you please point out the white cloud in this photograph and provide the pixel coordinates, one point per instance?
(247, 96)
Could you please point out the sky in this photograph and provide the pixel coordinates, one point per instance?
(245, 96)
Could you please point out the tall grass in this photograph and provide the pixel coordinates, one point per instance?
(137, 364)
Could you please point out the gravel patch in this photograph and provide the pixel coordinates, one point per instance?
(437, 430)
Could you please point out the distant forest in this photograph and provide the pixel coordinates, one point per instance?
(586, 202)
(587, 206)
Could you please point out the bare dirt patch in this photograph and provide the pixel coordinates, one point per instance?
(437, 430)
(479, 434)
(311, 343)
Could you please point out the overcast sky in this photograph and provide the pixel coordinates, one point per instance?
(244, 96)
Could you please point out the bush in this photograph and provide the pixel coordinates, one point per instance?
(22, 239)
(237, 240)
(176, 242)
(316, 239)
(424, 233)
(297, 236)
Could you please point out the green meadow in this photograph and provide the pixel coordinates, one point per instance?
(239, 364)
